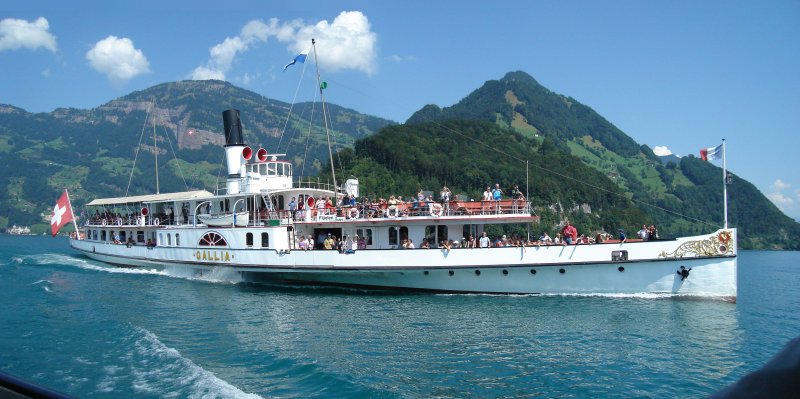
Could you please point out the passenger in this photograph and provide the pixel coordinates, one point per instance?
(445, 245)
(570, 234)
(328, 242)
(487, 194)
(445, 195)
(354, 244)
(642, 234)
(622, 236)
(293, 206)
(545, 239)
(410, 244)
(321, 240)
(497, 193)
(302, 244)
(484, 241)
(558, 240)
(652, 233)
(471, 241)
(424, 244)
(516, 194)
(362, 243)
(310, 245)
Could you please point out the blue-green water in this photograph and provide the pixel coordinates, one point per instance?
(92, 330)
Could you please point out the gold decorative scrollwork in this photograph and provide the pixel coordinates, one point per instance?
(716, 245)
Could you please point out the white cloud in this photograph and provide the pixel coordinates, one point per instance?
(19, 33)
(348, 41)
(118, 59)
(780, 185)
(402, 58)
(661, 150)
(46, 72)
(780, 200)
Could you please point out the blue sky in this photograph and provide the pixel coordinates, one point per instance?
(680, 75)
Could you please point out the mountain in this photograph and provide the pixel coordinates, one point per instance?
(681, 197)
(91, 152)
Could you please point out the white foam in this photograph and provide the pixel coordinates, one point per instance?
(175, 371)
(42, 281)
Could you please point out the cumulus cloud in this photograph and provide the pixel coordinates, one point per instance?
(19, 33)
(780, 185)
(348, 41)
(118, 59)
(661, 150)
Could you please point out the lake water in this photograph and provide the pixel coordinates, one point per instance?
(96, 331)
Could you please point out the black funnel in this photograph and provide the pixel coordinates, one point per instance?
(233, 127)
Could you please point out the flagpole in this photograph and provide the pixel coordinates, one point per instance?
(77, 232)
(724, 184)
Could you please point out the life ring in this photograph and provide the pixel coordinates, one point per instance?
(119, 221)
(354, 213)
(392, 211)
(437, 210)
(156, 221)
(104, 222)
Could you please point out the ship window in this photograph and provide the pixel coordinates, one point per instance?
(212, 239)
(264, 240)
(249, 239)
(169, 239)
(122, 237)
(177, 240)
(140, 236)
(160, 238)
(102, 235)
(288, 169)
(262, 169)
(392, 235)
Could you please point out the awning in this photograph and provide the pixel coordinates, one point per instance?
(181, 196)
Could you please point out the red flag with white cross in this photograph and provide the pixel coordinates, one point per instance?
(62, 213)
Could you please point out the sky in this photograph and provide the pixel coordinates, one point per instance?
(678, 76)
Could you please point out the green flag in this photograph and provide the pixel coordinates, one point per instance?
(323, 85)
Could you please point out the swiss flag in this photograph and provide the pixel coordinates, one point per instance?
(62, 214)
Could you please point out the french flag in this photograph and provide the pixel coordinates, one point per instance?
(301, 58)
(711, 153)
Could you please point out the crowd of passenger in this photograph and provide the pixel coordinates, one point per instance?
(399, 206)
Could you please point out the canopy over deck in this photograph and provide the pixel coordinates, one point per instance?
(179, 196)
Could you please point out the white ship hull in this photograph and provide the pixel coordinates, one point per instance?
(577, 269)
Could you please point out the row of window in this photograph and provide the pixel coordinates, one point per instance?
(210, 239)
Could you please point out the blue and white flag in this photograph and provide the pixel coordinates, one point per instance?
(301, 58)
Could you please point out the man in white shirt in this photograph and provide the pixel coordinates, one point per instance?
(484, 241)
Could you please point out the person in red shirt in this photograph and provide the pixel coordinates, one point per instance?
(570, 234)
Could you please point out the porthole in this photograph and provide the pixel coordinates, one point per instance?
(562, 271)
(622, 269)
(505, 272)
(451, 272)
(477, 272)
(426, 272)
(533, 271)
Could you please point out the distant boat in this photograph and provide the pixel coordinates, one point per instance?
(19, 230)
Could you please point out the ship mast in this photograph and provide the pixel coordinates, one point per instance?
(325, 116)
(155, 145)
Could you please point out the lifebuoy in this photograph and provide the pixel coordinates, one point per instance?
(156, 221)
(104, 222)
(391, 211)
(437, 210)
(119, 221)
(354, 213)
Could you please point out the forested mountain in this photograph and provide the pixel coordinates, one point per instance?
(683, 197)
(91, 152)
